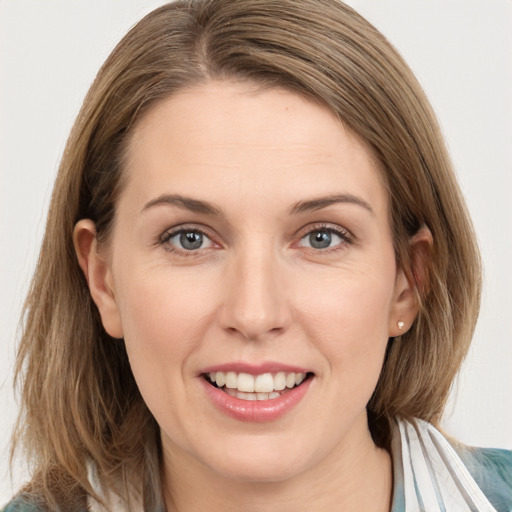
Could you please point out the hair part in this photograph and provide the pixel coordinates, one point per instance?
(79, 399)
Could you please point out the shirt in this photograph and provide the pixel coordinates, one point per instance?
(430, 475)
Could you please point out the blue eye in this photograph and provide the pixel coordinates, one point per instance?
(188, 240)
(321, 239)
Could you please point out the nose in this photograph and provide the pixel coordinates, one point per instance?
(255, 305)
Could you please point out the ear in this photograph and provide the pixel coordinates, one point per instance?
(409, 286)
(98, 276)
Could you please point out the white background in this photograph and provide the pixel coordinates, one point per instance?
(461, 52)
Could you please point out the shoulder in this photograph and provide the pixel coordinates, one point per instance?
(22, 503)
(492, 470)
(26, 502)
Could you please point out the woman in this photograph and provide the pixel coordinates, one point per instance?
(258, 272)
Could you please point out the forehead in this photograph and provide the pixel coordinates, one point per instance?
(220, 139)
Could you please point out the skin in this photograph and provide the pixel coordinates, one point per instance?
(255, 291)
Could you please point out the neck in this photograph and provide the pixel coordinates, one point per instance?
(355, 476)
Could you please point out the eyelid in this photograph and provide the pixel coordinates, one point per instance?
(169, 233)
(346, 235)
(327, 226)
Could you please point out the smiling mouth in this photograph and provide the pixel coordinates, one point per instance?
(265, 386)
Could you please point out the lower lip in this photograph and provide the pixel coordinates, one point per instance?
(256, 411)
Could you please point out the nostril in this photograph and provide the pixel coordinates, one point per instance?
(255, 334)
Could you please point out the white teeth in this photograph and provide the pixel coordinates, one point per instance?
(264, 383)
(299, 377)
(220, 379)
(246, 383)
(256, 387)
(231, 380)
(231, 392)
(246, 396)
(279, 381)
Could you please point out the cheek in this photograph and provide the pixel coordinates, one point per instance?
(159, 306)
(348, 323)
(164, 319)
(349, 309)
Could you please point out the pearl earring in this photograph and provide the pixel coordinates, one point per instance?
(400, 325)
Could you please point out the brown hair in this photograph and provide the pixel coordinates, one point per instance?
(80, 401)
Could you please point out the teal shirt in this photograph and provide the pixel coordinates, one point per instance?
(491, 469)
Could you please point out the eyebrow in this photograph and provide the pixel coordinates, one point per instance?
(324, 202)
(186, 203)
(206, 208)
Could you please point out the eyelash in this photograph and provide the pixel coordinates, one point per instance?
(169, 235)
(345, 236)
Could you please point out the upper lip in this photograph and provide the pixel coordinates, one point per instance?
(255, 368)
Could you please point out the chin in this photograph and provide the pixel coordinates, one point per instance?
(254, 461)
(251, 472)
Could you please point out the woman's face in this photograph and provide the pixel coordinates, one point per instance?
(252, 247)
